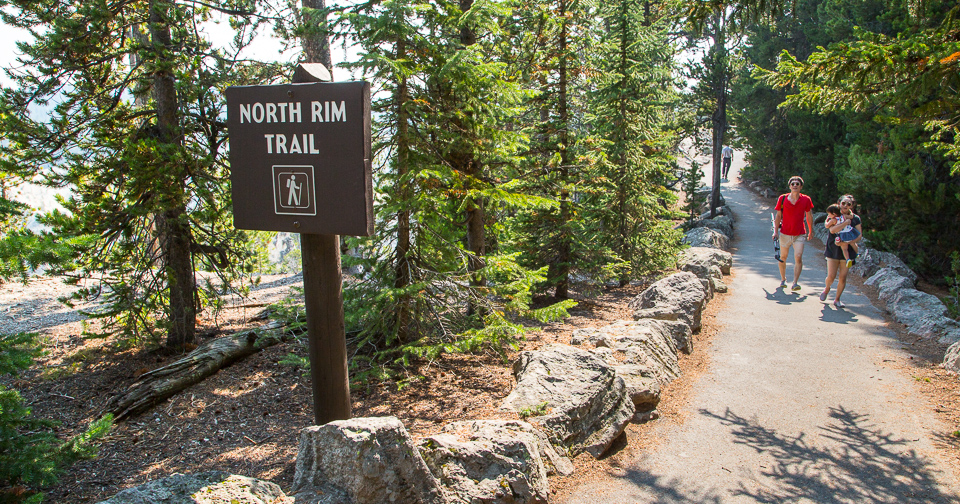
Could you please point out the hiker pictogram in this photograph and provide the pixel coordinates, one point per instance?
(293, 190)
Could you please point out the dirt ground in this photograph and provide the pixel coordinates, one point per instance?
(246, 419)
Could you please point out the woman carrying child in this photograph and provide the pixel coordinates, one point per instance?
(846, 236)
(837, 262)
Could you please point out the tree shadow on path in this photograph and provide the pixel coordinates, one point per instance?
(861, 464)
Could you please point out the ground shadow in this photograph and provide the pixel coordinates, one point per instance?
(862, 464)
(837, 315)
(784, 297)
(665, 491)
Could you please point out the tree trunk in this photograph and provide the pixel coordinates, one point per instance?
(402, 273)
(173, 227)
(720, 113)
(624, 248)
(155, 386)
(562, 269)
(316, 42)
(476, 218)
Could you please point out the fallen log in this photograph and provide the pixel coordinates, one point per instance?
(155, 386)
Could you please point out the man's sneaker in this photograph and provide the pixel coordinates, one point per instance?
(795, 287)
(849, 262)
(783, 284)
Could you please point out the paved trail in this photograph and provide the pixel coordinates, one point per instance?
(800, 403)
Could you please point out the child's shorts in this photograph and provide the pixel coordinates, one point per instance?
(848, 236)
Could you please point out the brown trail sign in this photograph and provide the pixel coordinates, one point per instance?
(300, 161)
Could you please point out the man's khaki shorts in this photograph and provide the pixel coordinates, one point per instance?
(791, 240)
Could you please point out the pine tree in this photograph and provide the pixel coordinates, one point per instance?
(123, 104)
(713, 76)
(435, 278)
(559, 155)
(31, 456)
(631, 109)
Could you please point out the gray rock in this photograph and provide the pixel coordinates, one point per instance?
(362, 461)
(555, 462)
(680, 296)
(649, 344)
(870, 261)
(721, 223)
(819, 231)
(889, 283)
(584, 402)
(642, 387)
(202, 488)
(718, 285)
(951, 360)
(706, 237)
(700, 260)
(910, 307)
(705, 193)
(679, 331)
(492, 461)
(580, 336)
(924, 315)
(942, 329)
(768, 193)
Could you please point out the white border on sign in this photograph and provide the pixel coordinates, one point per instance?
(312, 187)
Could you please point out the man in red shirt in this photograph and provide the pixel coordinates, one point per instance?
(793, 209)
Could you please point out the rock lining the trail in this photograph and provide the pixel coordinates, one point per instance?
(201, 488)
(370, 460)
(575, 397)
(706, 237)
(923, 315)
(681, 296)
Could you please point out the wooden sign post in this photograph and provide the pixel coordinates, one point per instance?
(300, 159)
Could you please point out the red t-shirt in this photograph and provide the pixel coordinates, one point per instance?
(793, 221)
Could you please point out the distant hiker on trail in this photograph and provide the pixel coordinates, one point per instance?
(727, 155)
(793, 211)
(845, 238)
(836, 262)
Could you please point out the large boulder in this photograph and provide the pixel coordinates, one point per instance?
(721, 210)
(706, 237)
(924, 315)
(203, 488)
(646, 343)
(870, 261)
(889, 283)
(910, 306)
(493, 461)
(680, 296)
(705, 262)
(721, 223)
(819, 231)
(362, 461)
(951, 360)
(573, 395)
(940, 328)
